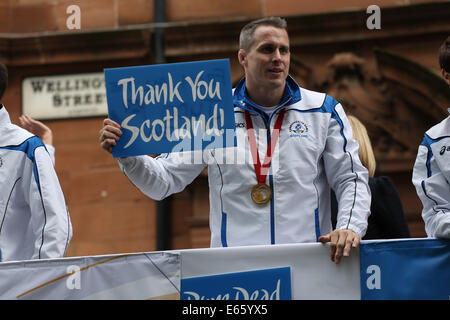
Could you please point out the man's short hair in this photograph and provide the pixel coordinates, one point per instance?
(246, 37)
(444, 55)
(3, 79)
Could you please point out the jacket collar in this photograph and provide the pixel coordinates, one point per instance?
(4, 116)
(291, 94)
(240, 98)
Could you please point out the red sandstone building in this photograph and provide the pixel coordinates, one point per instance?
(387, 76)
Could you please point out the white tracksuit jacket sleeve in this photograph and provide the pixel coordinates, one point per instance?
(51, 152)
(346, 175)
(433, 189)
(162, 176)
(50, 219)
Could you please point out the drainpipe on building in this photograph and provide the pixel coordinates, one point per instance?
(163, 207)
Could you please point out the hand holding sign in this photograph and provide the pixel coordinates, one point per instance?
(109, 134)
(153, 109)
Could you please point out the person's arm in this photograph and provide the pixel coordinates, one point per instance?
(433, 190)
(156, 177)
(160, 177)
(349, 179)
(41, 130)
(50, 219)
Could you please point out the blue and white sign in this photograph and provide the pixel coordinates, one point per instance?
(405, 269)
(171, 107)
(266, 284)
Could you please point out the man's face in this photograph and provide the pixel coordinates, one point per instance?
(267, 63)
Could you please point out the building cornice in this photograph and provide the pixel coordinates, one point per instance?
(74, 47)
(184, 39)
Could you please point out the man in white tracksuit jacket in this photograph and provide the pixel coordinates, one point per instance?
(34, 222)
(431, 174)
(315, 150)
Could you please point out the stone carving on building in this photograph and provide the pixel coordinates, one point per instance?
(396, 98)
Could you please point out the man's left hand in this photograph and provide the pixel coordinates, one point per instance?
(341, 242)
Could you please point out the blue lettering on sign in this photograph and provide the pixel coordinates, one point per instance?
(405, 269)
(267, 284)
(160, 107)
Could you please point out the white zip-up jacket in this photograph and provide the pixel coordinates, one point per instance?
(315, 150)
(34, 222)
(431, 177)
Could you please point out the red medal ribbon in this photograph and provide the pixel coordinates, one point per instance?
(261, 173)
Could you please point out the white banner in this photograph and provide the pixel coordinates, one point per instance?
(138, 276)
(290, 271)
(313, 274)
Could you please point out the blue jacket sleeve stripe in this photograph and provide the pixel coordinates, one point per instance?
(329, 104)
(427, 142)
(28, 147)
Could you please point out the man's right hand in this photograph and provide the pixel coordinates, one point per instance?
(109, 134)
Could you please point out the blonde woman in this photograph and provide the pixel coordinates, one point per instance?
(387, 220)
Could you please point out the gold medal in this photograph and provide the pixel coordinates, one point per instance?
(261, 193)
